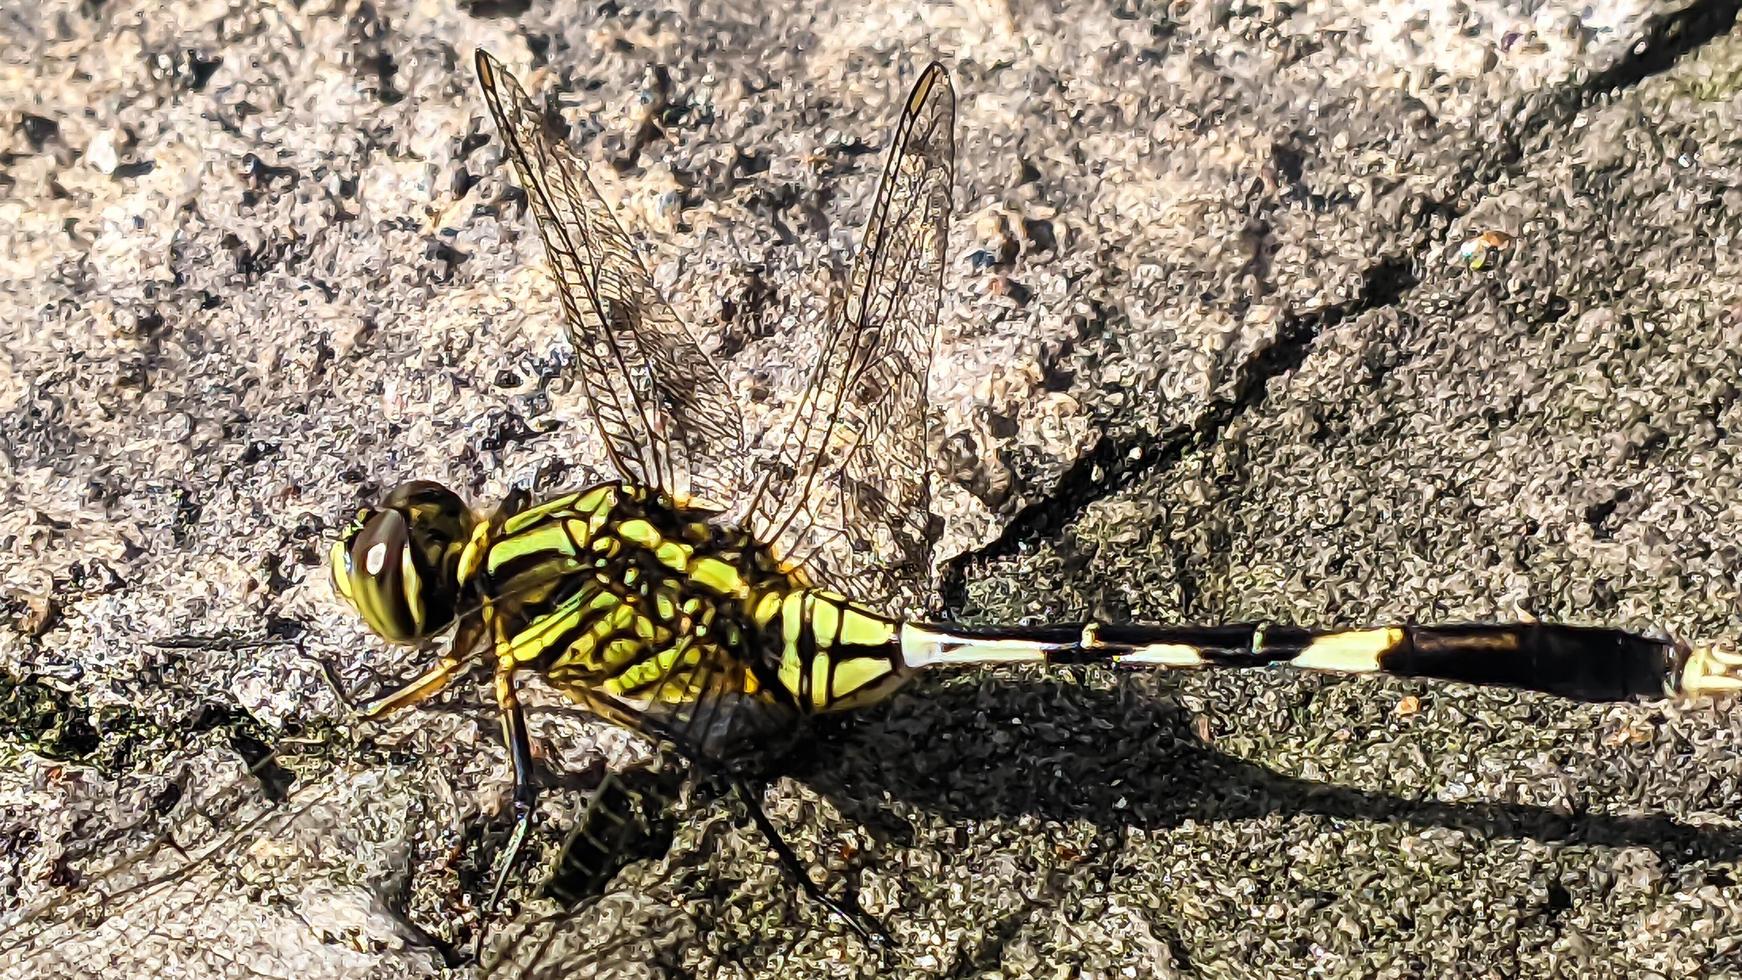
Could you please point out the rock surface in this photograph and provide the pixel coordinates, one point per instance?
(1211, 352)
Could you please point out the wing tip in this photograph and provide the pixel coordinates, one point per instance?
(934, 73)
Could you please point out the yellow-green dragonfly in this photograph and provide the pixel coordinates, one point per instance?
(712, 600)
(710, 605)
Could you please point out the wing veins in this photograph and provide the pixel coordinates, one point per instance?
(662, 405)
(887, 318)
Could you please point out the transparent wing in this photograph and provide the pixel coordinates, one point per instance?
(268, 873)
(849, 495)
(237, 885)
(668, 419)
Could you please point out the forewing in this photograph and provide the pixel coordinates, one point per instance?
(668, 419)
(849, 496)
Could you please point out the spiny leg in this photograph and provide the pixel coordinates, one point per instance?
(525, 792)
(861, 921)
(687, 733)
(431, 682)
(421, 688)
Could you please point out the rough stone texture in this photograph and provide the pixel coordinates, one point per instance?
(1209, 354)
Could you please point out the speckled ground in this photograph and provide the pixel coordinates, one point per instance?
(1209, 354)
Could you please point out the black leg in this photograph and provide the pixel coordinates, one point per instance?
(861, 921)
(525, 792)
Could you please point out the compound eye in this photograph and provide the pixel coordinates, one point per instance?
(398, 565)
(339, 561)
(385, 583)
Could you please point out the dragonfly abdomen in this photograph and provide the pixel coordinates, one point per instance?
(836, 654)
(1570, 661)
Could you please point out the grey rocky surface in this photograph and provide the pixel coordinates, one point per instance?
(1208, 354)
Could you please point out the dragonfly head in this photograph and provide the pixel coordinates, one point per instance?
(397, 564)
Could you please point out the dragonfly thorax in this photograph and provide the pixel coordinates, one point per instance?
(630, 540)
(618, 591)
(623, 599)
(397, 565)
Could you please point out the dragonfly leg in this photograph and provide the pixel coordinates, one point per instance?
(421, 688)
(861, 921)
(525, 791)
(431, 682)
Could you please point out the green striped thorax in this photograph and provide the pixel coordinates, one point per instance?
(398, 564)
(617, 590)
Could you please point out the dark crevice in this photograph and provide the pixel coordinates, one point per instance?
(1665, 39)
(1114, 464)
(1661, 43)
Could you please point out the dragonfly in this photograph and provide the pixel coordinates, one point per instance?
(714, 602)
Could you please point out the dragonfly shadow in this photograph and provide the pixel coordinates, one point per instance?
(1128, 757)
